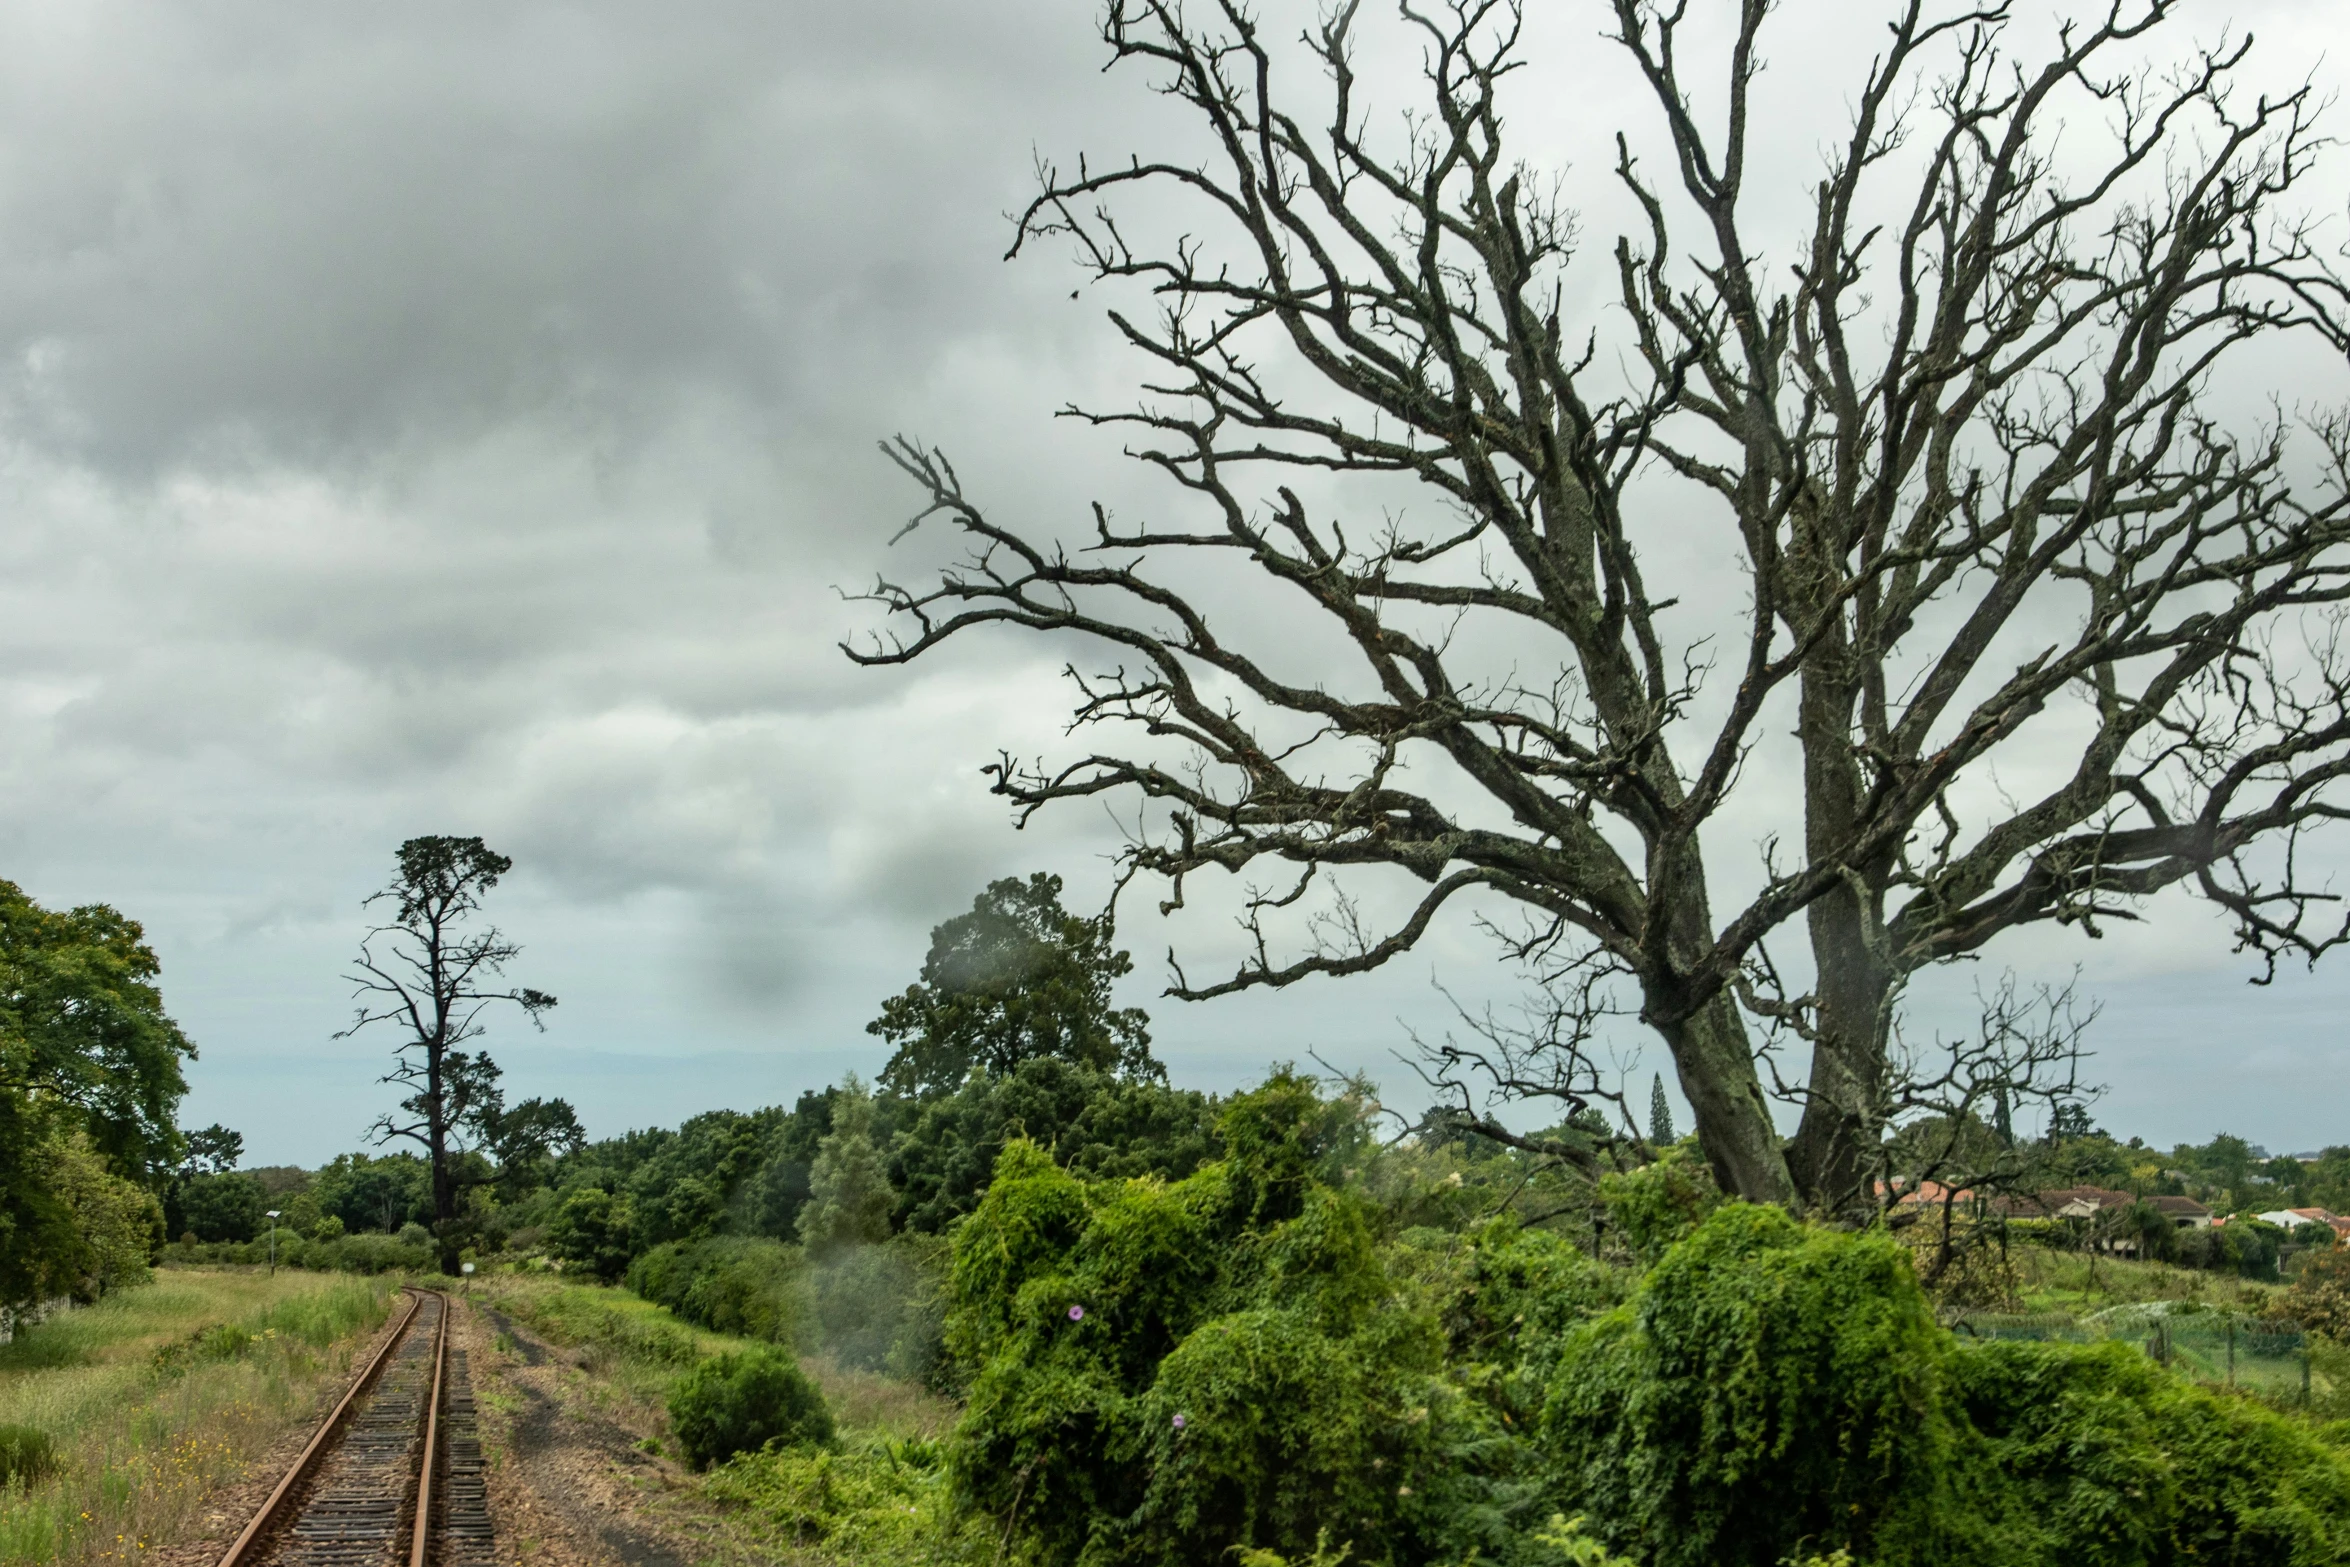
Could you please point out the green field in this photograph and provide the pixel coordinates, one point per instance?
(157, 1394)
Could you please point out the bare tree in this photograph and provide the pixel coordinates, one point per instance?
(1961, 442)
(430, 976)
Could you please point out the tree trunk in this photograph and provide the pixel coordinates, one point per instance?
(444, 1179)
(1734, 1127)
(1843, 1116)
(1832, 1152)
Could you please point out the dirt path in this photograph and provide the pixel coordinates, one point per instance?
(570, 1484)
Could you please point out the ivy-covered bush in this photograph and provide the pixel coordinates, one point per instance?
(2098, 1457)
(1256, 1364)
(741, 1403)
(1169, 1373)
(1775, 1391)
(1772, 1388)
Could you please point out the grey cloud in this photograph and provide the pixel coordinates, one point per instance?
(313, 233)
(448, 418)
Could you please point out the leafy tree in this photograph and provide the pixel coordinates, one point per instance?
(2069, 1120)
(2327, 1179)
(69, 1224)
(1016, 978)
(214, 1149)
(90, 1068)
(375, 1192)
(2319, 1300)
(2227, 1159)
(690, 1183)
(117, 1224)
(780, 1189)
(223, 1206)
(1095, 1124)
(849, 1199)
(528, 1140)
(590, 1227)
(82, 1025)
(429, 975)
(37, 1234)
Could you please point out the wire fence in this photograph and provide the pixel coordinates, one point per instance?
(2210, 1346)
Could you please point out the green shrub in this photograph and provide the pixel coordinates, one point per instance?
(1659, 1203)
(1771, 1389)
(2106, 1459)
(26, 1455)
(741, 1403)
(1174, 1373)
(2246, 1247)
(220, 1207)
(2319, 1300)
(877, 1504)
(745, 1286)
(590, 1229)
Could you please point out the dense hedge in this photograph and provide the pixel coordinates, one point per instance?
(871, 1308)
(742, 1285)
(362, 1253)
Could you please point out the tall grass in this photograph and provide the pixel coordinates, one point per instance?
(2049, 1280)
(153, 1397)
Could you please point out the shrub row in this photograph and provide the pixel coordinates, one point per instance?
(742, 1285)
(366, 1252)
(870, 1308)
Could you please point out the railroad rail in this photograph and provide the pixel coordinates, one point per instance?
(393, 1474)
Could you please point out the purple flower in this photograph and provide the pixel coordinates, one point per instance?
(1076, 1313)
(1179, 1422)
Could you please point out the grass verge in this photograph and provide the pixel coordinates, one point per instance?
(155, 1396)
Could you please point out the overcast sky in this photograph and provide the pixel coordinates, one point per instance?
(448, 418)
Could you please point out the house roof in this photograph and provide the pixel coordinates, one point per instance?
(1932, 1194)
(2289, 1217)
(2178, 1206)
(2066, 1202)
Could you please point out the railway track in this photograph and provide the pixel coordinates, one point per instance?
(393, 1474)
